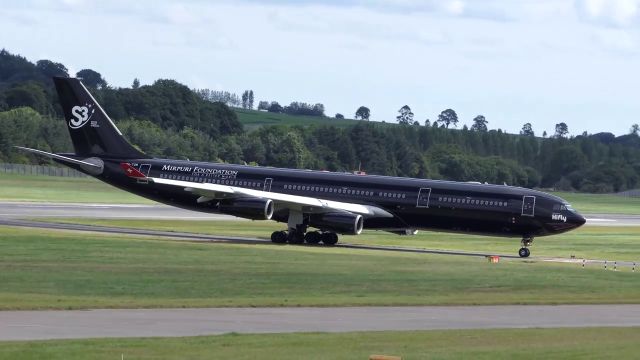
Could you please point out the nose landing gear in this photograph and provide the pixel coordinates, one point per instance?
(524, 250)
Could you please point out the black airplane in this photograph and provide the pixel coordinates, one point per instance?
(333, 203)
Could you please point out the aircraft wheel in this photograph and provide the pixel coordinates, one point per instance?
(312, 237)
(330, 238)
(524, 252)
(295, 237)
(279, 237)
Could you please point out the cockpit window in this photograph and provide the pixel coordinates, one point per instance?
(563, 207)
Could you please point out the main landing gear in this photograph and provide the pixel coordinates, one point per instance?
(298, 234)
(297, 237)
(524, 250)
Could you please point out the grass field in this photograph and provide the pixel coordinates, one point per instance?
(65, 270)
(60, 189)
(252, 119)
(585, 343)
(590, 242)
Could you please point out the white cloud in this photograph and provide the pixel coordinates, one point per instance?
(619, 13)
(616, 40)
(513, 61)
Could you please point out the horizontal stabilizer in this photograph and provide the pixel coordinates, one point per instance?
(60, 157)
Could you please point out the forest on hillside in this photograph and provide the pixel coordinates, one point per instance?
(167, 119)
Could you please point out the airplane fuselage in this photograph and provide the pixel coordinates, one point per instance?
(497, 210)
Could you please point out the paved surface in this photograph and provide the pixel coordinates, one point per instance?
(126, 211)
(13, 214)
(35, 325)
(613, 220)
(103, 211)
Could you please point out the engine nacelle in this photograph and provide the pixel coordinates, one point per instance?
(342, 223)
(254, 209)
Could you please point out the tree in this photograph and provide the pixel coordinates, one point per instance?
(427, 122)
(339, 116)
(92, 79)
(29, 94)
(363, 113)
(479, 123)
(448, 117)
(406, 115)
(250, 99)
(274, 107)
(136, 84)
(318, 109)
(544, 134)
(263, 105)
(416, 123)
(245, 99)
(50, 68)
(561, 130)
(635, 129)
(527, 130)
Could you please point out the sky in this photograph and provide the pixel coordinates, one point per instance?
(513, 61)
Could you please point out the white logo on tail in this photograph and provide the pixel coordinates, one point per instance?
(81, 114)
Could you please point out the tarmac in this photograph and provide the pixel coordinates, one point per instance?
(42, 325)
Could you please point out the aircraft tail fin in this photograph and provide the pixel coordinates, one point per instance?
(92, 131)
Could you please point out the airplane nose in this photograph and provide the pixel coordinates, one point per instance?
(578, 220)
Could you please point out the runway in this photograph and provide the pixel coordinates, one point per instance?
(128, 211)
(41, 325)
(14, 214)
(15, 210)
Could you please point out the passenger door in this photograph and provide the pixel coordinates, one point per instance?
(423, 197)
(528, 206)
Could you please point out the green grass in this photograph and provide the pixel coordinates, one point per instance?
(602, 203)
(66, 270)
(590, 242)
(62, 189)
(253, 119)
(581, 343)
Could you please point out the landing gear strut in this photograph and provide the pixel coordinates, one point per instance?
(524, 250)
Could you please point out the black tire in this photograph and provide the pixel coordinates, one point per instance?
(279, 237)
(329, 238)
(313, 238)
(524, 252)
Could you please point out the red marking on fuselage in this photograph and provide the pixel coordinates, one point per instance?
(131, 171)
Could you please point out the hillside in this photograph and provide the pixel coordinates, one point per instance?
(167, 119)
(253, 119)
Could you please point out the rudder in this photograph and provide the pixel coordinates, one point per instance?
(92, 131)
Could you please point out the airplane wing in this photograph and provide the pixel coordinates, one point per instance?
(210, 192)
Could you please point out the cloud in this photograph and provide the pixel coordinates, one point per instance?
(617, 13)
(617, 40)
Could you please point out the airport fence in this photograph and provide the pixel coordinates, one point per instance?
(630, 193)
(46, 170)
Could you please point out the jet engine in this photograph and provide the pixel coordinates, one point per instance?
(249, 208)
(339, 222)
